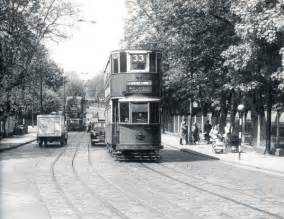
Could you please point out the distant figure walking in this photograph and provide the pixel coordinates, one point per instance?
(196, 131)
(227, 133)
(184, 129)
(89, 127)
(207, 129)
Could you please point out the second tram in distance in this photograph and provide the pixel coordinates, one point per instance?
(132, 92)
(75, 113)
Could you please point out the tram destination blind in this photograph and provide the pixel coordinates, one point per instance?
(139, 87)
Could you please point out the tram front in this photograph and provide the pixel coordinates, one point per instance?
(139, 124)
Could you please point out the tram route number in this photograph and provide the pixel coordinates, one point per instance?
(138, 58)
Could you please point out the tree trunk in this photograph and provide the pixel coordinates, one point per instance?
(254, 117)
(190, 123)
(41, 89)
(223, 113)
(234, 107)
(268, 121)
(277, 129)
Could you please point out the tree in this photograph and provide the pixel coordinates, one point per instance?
(192, 36)
(24, 28)
(255, 62)
(74, 86)
(95, 87)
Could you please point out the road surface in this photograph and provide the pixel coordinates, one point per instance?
(81, 181)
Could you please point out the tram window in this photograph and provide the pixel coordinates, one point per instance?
(124, 112)
(123, 62)
(152, 62)
(138, 61)
(158, 62)
(139, 112)
(115, 64)
(154, 112)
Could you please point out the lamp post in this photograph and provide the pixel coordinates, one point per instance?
(241, 108)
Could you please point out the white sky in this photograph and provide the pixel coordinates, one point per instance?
(88, 49)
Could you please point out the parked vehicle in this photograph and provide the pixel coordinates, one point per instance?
(98, 133)
(51, 128)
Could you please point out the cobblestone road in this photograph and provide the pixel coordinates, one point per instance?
(81, 181)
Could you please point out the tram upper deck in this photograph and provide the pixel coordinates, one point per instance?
(133, 72)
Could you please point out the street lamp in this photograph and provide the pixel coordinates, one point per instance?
(241, 108)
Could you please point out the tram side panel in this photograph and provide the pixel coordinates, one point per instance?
(108, 126)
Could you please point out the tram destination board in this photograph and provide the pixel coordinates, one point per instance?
(139, 87)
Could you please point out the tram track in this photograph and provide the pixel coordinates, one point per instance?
(125, 193)
(108, 205)
(230, 189)
(59, 187)
(191, 185)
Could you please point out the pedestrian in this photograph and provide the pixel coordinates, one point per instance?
(196, 134)
(89, 127)
(207, 129)
(184, 128)
(227, 133)
(214, 133)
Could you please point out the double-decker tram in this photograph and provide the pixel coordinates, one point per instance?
(132, 93)
(75, 113)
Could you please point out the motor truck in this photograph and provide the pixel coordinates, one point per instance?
(51, 128)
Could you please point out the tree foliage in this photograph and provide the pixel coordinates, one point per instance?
(192, 36)
(25, 25)
(216, 52)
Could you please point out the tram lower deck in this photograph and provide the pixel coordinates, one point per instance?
(135, 129)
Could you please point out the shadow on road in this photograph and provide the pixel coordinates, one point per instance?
(179, 156)
(168, 155)
(31, 151)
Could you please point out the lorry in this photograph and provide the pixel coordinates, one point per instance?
(51, 128)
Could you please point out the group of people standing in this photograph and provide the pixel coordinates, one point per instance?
(209, 132)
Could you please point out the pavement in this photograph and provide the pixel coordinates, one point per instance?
(249, 159)
(18, 140)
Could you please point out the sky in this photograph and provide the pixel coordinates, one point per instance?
(87, 51)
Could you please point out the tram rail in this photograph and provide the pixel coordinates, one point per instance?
(207, 181)
(268, 213)
(132, 197)
(74, 209)
(95, 195)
